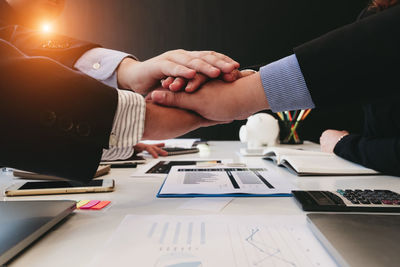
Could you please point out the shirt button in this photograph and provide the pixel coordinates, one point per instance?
(48, 118)
(65, 124)
(96, 66)
(113, 140)
(83, 129)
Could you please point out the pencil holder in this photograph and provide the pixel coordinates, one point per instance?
(288, 132)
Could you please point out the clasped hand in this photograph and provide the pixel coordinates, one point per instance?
(179, 69)
(234, 95)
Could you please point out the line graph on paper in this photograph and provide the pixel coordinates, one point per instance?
(266, 252)
(274, 245)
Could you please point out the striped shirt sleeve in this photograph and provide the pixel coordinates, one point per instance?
(128, 126)
(284, 85)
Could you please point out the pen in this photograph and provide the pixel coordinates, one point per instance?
(124, 165)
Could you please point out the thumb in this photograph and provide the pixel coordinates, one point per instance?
(246, 72)
(170, 99)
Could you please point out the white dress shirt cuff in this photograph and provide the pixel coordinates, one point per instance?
(128, 126)
(101, 64)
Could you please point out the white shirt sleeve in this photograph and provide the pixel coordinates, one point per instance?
(101, 64)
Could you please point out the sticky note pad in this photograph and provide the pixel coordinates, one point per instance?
(90, 204)
(100, 205)
(81, 203)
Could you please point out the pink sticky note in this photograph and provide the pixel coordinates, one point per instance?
(101, 205)
(90, 204)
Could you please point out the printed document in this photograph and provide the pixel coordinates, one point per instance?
(217, 181)
(213, 241)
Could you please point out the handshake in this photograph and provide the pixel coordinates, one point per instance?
(185, 90)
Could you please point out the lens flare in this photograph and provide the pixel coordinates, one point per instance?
(47, 27)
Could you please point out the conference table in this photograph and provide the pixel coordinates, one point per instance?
(76, 240)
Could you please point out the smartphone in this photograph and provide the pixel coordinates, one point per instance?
(59, 187)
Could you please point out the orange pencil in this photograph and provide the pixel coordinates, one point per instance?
(306, 113)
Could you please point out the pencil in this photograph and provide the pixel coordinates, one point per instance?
(306, 113)
(289, 115)
(280, 116)
(294, 127)
(295, 115)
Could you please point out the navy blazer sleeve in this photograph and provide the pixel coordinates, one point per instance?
(357, 63)
(54, 120)
(378, 147)
(60, 48)
(378, 153)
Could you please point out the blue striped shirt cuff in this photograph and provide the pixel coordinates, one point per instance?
(284, 85)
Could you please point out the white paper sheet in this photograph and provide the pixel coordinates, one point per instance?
(213, 241)
(181, 142)
(211, 204)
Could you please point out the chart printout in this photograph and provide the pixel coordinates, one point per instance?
(186, 180)
(213, 241)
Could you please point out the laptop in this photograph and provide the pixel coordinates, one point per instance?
(359, 239)
(22, 222)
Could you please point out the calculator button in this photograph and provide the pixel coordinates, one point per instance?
(376, 201)
(365, 201)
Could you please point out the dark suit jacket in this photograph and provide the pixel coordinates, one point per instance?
(54, 120)
(358, 64)
(378, 146)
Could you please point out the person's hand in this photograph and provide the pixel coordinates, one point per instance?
(153, 150)
(219, 101)
(142, 77)
(166, 122)
(177, 84)
(330, 138)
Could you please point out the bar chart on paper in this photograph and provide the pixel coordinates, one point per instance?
(202, 241)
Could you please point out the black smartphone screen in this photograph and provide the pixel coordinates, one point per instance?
(59, 184)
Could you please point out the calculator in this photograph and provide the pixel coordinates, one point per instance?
(349, 200)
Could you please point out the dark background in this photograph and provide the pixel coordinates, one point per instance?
(252, 32)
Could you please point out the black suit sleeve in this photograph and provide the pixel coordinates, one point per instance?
(357, 63)
(378, 153)
(378, 147)
(54, 120)
(62, 49)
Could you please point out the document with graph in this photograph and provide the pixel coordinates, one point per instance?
(189, 181)
(213, 241)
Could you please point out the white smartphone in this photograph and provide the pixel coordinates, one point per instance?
(59, 187)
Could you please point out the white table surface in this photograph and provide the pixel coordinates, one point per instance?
(75, 241)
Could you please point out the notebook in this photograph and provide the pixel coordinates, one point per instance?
(308, 163)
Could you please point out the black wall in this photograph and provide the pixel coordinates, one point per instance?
(251, 32)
